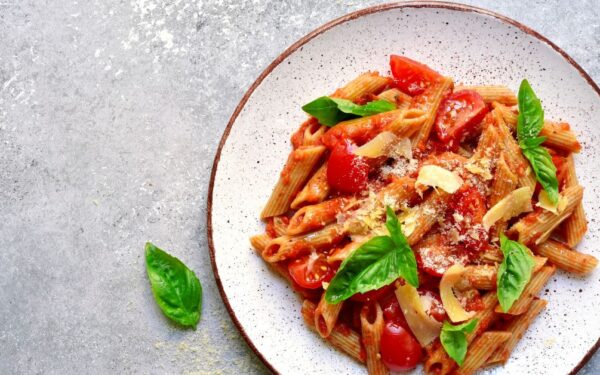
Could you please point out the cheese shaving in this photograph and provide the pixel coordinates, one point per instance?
(434, 176)
(378, 146)
(452, 305)
(424, 327)
(545, 203)
(480, 167)
(515, 203)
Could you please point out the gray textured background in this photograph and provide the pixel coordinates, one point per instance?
(110, 114)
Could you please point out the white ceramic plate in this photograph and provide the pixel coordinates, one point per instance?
(492, 49)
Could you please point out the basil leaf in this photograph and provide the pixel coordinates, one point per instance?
(514, 272)
(330, 111)
(408, 262)
(454, 339)
(529, 124)
(544, 169)
(376, 263)
(175, 287)
(531, 115)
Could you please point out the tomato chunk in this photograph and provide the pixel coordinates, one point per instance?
(435, 308)
(346, 171)
(372, 295)
(310, 271)
(400, 351)
(459, 115)
(467, 209)
(411, 76)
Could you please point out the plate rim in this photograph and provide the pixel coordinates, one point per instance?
(295, 46)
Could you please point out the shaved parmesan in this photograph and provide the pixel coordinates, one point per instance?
(545, 203)
(424, 327)
(452, 305)
(434, 176)
(515, 203)
(378, 146)
(480, 167)
(409, 222)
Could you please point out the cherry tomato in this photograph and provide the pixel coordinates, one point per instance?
(400, 351)
(392, 311)
(372, 295)
(458, 115)
(434, 255)
(347, 172)
(467, 209)
(411, 76)
(310, 272)
(436, 309)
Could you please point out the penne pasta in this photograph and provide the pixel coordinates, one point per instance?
(408, 123)
(537, 226)
(438, 362)
(280, 225)
(481, 349)
(481, 277)
(372, 328)
(429, 102)
(315, 190)
(397, 97)
(343, 338)
(566, 259)
(575, 225)
(326, 316)
(298, 168)
(558, 135)
(318, 215)
(517, 327)
(260, 241)
(286, 247)
(364, 84)
(424, 216)
(537, 282)
(490, 94)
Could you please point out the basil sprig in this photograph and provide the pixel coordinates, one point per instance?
(514, 272)
(175, 287)
(329, 111)
(378, 262)
(529, 124)
(454, 339)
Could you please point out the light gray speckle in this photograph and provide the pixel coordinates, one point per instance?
(110, 115)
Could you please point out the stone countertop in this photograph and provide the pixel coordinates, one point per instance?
(110, 115)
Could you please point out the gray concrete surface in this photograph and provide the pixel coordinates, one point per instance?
(110, 114)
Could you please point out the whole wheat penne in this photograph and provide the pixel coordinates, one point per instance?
(371, 323)
(504, 181)
(364, 84)
(558, 135)
(326, 316)
(397, 97)
(316, 189)
(514, 157)
(408, 123)
(343, 338)
(566, 259)
(286, 247)
(537, 226)
(424, 216)
(430, 101)
(318, 215)
(575, 225)
(438, 362)
(260, 241)
(490, 94)
(482, 277)
(537, 282)
(517, 327)
(481, 349)
(280, 225)
(361, 129)
(308, 134)
(298, 168)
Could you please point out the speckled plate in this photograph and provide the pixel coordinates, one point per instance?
(491, 50)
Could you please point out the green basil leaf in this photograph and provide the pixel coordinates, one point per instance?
(175, 287)
(531, 115)
(514, 272)
(454, 339)
(544, 168)
(529, 124)
(408, 262)
(330, 111)
(376, 263)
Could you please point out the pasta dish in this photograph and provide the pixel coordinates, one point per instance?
(419, 219)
